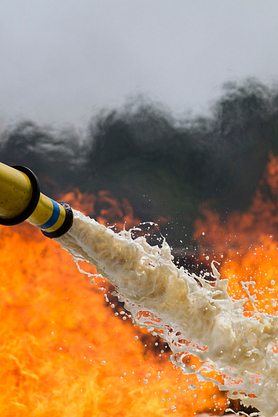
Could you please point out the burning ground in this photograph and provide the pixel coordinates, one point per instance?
(210, 185)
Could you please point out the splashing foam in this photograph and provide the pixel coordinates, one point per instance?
(191, 314)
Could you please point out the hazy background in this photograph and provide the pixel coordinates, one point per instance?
(61, 61)
(127, 96)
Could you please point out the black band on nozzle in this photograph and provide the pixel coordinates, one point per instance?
(33, 202)
(65, 226)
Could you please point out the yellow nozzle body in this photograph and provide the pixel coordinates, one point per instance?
(21, 199)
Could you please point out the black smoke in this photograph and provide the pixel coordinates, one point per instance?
(163, 166)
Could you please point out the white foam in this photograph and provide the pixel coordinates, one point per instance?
(191, 314)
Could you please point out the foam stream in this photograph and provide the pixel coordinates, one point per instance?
(192, 315)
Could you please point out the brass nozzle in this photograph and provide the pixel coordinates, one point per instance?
(21, 199)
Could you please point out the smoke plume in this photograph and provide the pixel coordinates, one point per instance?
(163, 166)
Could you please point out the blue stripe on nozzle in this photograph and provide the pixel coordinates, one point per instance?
(54, 216)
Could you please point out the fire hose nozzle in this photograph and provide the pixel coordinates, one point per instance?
(21, 199)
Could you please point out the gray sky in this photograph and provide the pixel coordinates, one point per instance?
(61, 61)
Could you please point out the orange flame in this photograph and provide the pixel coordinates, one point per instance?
(107, 210)
(247, 242)
(65, 350)
(111, 212)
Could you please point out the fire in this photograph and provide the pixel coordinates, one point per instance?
(67, 350)
(105, 209)
(248, 245)
(108, 210)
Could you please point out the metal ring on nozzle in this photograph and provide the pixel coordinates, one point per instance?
(65, 226)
